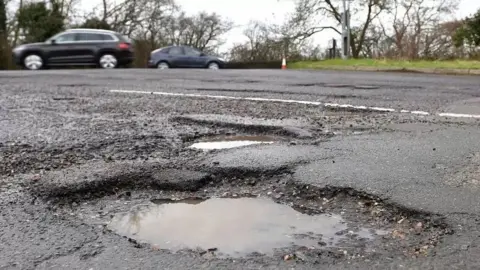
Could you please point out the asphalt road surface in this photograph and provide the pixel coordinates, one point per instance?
(78, 146)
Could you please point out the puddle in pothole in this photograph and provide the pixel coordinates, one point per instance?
(235, 227)
(225, 142)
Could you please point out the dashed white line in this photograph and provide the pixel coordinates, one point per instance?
(420, 112)
(459, 115)
(348, 106)
(316, 103)
(220, 97)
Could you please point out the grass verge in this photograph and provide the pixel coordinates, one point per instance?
(385, 64)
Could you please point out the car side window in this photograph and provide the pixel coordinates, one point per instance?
(70, 37)
(107, 37)
(175, 51)
(93, 37)
(191, 51)
(86, 37)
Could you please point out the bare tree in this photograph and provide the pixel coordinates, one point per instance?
(16, 26)
(67, 7)
(155, 16)
(364, 11)
(416, 29)
(265, 45)
(203, 31)
(3, 34)
(304, 22)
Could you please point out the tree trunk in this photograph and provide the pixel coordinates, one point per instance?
(3, 36)
(17, 27)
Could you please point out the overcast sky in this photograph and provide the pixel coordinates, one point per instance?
(241, 12)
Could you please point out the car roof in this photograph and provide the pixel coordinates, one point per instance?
(172, 46)
(91, 30)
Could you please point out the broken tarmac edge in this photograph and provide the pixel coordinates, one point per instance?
(440, 71)
(100, 179)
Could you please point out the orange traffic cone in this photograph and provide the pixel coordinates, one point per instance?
(284, 63)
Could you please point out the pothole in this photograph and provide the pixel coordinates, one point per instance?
(226, 142)
(234, 227)
(301, 221)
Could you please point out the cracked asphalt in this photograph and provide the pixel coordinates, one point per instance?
(67, 142)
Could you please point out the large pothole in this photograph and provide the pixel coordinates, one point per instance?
(262, 216)
(234, 227)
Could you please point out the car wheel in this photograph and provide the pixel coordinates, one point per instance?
(213, 65)
(163, 65)
(33, 62)
(108, 61)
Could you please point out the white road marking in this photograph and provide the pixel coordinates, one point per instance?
(420, 112)
(316, 103)
(459, 115)
(224, 144)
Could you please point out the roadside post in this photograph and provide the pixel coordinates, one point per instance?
(332, 49)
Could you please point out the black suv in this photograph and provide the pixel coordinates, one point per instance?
(77, 47)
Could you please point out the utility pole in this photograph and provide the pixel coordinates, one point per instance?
(346, 29)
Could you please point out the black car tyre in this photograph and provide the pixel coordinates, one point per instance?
(213, 66)
(163, 65)
(33, 62)
(107, 61)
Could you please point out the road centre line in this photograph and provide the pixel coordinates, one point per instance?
(316, 103)
(459, 115)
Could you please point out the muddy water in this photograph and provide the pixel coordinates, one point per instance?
(236, 227)
(225, 142)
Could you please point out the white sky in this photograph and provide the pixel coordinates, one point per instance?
(242, 12)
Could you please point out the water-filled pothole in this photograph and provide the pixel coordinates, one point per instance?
(225, 142)
(233, 226)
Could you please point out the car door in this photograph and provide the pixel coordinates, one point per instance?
(87, 45)
(62, 49)
(195, 58)
(177, 58)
